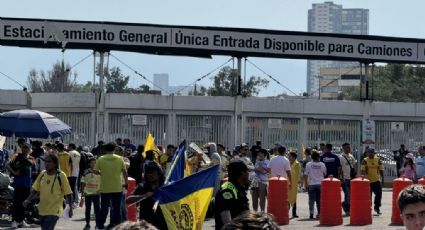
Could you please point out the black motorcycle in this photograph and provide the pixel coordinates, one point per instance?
(6, 201)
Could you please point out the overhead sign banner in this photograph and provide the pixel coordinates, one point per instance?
(206, 41)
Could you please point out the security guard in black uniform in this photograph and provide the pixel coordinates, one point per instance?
(231, 200)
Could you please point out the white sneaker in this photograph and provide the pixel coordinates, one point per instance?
(23, 224)
(14, 224)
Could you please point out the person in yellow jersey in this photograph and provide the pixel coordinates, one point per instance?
(51, 186)
(295, 176)
(112, 170)
(90, 190)
(65, 162)
(165, 158)
(373, 169)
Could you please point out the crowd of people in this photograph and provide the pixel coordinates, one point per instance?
(64, 176)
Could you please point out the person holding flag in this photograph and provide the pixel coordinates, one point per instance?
(184, 203)
(152, 180)
(183, 200)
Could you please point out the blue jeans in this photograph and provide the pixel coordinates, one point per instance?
(106, 200)
(376, 188)
(48, 222)
(346, 188)
(314, 196)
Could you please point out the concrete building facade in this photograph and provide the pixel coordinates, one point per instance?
(328, 17)
(332, 81)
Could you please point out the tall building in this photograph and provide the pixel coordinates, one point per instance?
(160, 81)
(333, 81)
(328, 17)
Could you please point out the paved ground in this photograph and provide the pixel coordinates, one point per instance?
(379, 222)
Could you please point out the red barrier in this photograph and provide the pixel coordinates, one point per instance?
(277, 200)
(132, 209)
(398, 185)
(360, 202)
(330, 205)
(422, 181)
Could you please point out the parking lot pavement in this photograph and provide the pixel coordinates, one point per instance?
(379, 222)
(303, 222)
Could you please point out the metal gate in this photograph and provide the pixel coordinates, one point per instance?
(204, 129)
(335, 132)
(389, 135)
(122, 126)
(81, 127)
(272, 131)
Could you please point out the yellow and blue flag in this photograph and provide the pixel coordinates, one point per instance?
(178, 170)
(184, 203)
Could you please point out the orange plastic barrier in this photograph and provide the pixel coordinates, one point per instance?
(330, 202)
(131, 210)
(398, 185)
(277, 200)
(360, 202)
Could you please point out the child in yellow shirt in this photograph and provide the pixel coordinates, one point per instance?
(90, 189)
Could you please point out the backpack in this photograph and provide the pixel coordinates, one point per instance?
(4, 181)
(84, 162)
(57, 177)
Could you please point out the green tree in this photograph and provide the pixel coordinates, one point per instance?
(58, 79)
(84, 88)
(198, 91)
(393, 82)
(115, 80)
(224, 84)
(144, 89)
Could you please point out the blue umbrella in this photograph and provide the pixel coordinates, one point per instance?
(32, 123)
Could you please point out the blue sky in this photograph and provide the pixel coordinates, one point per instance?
(388, 18)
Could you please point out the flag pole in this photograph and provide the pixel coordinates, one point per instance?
(167, 178)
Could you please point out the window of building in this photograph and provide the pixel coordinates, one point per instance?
(330, 89)
(350, 76)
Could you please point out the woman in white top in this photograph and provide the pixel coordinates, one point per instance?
(314, 173)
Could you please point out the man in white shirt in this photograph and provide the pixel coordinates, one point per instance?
(75, 158)
(347, 162)
(279, 166)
